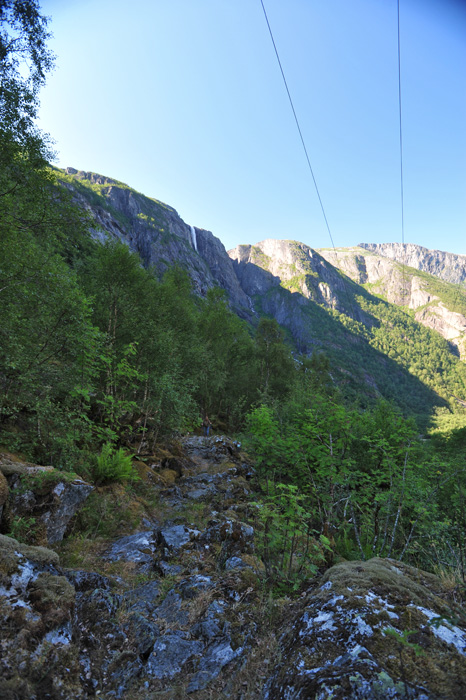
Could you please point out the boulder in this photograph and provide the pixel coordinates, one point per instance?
(36, 607)
(216, 656)
(173, 538)
(373, 630)
(42, 497)
(170, 655)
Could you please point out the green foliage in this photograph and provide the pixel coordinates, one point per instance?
(97, 355)
(21, 528)
(276, 364)
(287, 543)
(24, 61)
(113, 465)
(228, 369)
(364, 480)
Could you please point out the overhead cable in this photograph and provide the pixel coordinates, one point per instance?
(297, 123)
(404, 291)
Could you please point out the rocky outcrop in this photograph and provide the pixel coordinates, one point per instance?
(212, 250)
(287, 280)
(42, 496)
(180, 610)
(446, 266)
(37, 657)
(284, 279)
(373, 630)
(449, 324)
(292, 265)
(72, 633)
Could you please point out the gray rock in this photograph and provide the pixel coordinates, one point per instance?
(69, 497)
(170, 610)
(236, 563)
(343, 643)
(213, 624)
(200, 494)
(87, 580)
(36, 616)
(142, 633)
(139, 548)
(447, 266)
(193, 585)
(235, 536)
(213, 660)
(159, 236)
(124, 676)
(144, 598)
(98, 605)
(175, 537)
(166, 569)
(51, 498)
(170, 655)
(172, 496)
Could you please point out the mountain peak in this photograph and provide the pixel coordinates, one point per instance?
(448, 266)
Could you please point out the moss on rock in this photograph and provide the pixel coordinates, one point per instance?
(3, 489)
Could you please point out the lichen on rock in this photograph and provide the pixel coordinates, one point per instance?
(364, 632)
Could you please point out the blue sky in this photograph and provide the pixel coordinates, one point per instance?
(183, 100)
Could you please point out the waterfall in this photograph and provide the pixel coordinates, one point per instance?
(193, 237)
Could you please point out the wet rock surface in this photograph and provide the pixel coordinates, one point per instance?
(179, 612)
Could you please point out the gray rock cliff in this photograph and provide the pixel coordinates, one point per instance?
(156, 232)
(394, 279)
(447, 266)
(295, 267)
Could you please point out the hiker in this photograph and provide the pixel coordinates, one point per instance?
(206, 424)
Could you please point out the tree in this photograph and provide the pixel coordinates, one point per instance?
(276, 362)
(227, 376)
(24, 62)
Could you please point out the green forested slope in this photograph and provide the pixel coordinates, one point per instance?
(99, 357)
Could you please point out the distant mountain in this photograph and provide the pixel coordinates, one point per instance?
(376, 347)
(344, 302)
(435, 303)
(447, 266)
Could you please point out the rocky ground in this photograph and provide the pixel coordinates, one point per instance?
(163, 596)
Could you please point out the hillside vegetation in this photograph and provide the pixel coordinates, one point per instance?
(140, 558)
(101, 359)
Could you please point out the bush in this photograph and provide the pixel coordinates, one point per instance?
(113, 465)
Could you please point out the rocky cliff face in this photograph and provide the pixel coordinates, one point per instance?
(284, 279)
(399, 284)
(156, 232)
(297, 268)
(447, 266)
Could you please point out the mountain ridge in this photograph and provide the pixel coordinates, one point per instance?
(435, 303)
(319, 302)
(448, 266)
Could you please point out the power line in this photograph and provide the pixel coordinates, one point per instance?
(401, 128)
(404, 291)
(297, 123)
(345, 278)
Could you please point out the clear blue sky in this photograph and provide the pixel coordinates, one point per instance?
(183, 100)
